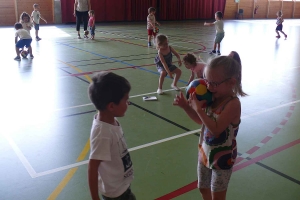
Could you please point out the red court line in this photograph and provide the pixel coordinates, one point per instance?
(193, 185)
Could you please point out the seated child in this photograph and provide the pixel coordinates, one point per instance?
(190, 62)
(25, 40)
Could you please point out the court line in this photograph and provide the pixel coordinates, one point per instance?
(193, 185)
(149, 144)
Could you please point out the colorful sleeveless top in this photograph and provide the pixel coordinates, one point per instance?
(218, 152)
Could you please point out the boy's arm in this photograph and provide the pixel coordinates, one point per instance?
(208, 24)
(93, 178)
(16, 39)
(43, 18)
(176, 54)
(191, 77)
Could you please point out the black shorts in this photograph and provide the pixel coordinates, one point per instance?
(279, 27)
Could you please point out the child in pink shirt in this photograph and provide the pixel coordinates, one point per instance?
(190, 62)
(92, 23)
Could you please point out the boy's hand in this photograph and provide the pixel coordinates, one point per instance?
(170, 75)
(158, 23)
(45, 21)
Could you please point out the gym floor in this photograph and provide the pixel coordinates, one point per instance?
(46, 114)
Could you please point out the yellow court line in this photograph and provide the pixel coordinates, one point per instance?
(81, 156)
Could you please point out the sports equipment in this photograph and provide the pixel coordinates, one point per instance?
(24, 53)
(200, 88)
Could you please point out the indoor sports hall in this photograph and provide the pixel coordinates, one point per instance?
(46, 114)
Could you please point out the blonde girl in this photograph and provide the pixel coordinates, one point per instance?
(164, 63)
(220, 124)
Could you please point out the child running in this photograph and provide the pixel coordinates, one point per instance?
(25, 40)
(26, 21)
(151, 25)
(219, 25)
(36, 16)
(190, 62)
(164, 63)
(92, 23)
(279, 25)
(110, 170)
(220, 124)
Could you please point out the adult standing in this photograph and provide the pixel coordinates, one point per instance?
(81, 9)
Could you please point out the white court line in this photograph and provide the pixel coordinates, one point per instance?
(89, 104)
(22, 158)
(157, 142)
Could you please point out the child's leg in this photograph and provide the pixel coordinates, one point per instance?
(215, 45)
(36, 33)
(219, 195)
(205, 193)
(149, 38)
(277, 33)
(218, 46)
(283, 33)
(177, 73)
(162, 76)
(18, 51)
(30, 51)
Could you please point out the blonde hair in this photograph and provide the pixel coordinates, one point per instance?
(160, 39)
(91, 12)
(231, 69)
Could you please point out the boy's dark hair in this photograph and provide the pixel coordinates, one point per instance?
(151, 9)
(91, 12)
(190, 58)
(35, 5)
(219, 14)
(18, 26)
(107, 87)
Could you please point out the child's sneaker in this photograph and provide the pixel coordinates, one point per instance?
(159, 91)
(85, 36)
(17, 58)
(175, 87)
(212, 52)
(78, 37)
(219, 53)
(285, 36)
(31, 56)
(278, 36)
(38, 38)
(149, 44)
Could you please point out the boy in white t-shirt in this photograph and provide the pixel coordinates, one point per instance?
(25, 40)
(110, 170)
(219, 25)
(36, 16)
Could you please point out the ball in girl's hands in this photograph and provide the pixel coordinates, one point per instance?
(199, 87)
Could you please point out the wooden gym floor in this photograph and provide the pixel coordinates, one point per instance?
(46, 114)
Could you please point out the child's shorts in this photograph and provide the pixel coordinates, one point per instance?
(161, 69)
(219, 37)
(279, 27)
(37, 26)
(24, 42)
(92, 30)
(215, 179)
(150, 32)
(127, 195)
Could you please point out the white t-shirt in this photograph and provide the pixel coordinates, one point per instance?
(82, 5)
(150, 18)
(108, 144)
(219, 24)
(22, 34)
(36, 16)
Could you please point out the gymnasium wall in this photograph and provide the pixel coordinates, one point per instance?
(267, 9)
(10, 10)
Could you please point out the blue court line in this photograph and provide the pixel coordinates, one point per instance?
(119, 61)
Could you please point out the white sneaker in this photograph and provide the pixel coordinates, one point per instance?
(159, 91)
(175, 87)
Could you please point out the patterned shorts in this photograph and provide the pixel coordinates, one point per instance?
(215, 179)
